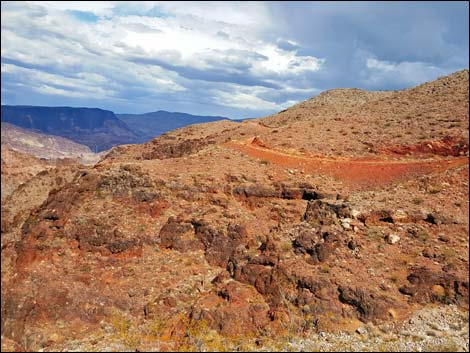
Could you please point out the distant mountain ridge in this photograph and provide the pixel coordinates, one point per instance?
(96, 128)
(150, 125)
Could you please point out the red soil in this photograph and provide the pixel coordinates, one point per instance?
(448, 146)
(360, 173)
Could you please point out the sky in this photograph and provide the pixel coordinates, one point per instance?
(234, 59)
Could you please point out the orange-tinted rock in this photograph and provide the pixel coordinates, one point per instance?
(232, 309)
(425, 285)
(179, 236)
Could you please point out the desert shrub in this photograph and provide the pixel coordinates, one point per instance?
(434, 189)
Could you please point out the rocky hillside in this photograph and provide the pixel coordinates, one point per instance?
(44, 146)
(338, 224)
(150, 125)
(352, 122)
(96, 128)
(26, 183)
(17, 168)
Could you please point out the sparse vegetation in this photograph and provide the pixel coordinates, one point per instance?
(434, 189)
(422, 234)
(375, 233)
(449, 253)
(287, 246)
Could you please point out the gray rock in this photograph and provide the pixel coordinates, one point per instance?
(392, 238)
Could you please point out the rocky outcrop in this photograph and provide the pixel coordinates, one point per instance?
(319, 244)
(323, 213)
(179, 236)
(220, 245)
(278, 190)
(176, 149)
(425, 286)
(370, 306)
(232, 309)
(255, 190)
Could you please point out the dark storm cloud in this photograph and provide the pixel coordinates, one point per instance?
(430, 34)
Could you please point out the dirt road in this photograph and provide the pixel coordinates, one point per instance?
(360, 173)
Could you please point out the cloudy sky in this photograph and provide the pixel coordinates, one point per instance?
(237, 59)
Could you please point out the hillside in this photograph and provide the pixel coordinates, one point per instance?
(26, 183)
(17, 168)
(44, 146)
(96, 128)
(150, 125)
(350, 121)
(340, 223)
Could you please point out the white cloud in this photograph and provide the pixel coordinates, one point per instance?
(373, 63)
(171, 36)
(248, 98)
(286, 62)
(406, 73)
(47, 83)
(151, 50)
(242, 100)
(46, 89)
(99, 8)
(253, 15)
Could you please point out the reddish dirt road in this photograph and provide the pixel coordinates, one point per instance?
(360, 173)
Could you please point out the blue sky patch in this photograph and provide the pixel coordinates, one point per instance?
(84, 16)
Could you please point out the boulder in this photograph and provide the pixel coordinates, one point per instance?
(320, 212)
(231, 309)
(369, 305)
(426, 285)
(179, 236)
(319, 245)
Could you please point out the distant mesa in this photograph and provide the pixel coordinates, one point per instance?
(96, 128)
